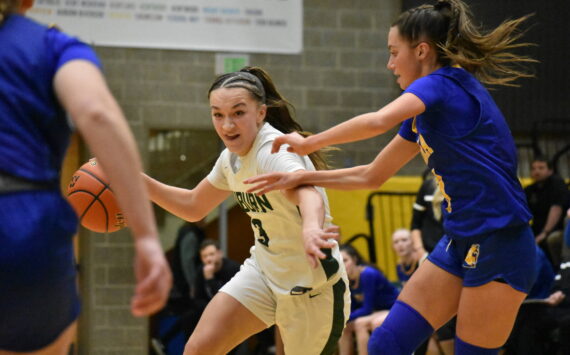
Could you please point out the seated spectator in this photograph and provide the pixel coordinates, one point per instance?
(214, 272)
(409, 260)
(547, 199)
(543, 312)
(372, 295)
(426, 226)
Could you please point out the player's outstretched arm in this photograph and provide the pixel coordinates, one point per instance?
(82, 91)
(312, 210)
(361, 127)
(391, 159)
(190, 205)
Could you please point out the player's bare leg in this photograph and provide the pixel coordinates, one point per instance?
(224, 324)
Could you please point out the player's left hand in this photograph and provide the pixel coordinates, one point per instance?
(315, 240)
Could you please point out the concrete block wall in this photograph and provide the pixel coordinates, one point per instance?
(340, 73)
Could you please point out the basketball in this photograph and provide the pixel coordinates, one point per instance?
(93, 200)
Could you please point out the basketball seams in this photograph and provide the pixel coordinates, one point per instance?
(98, 179)
(95, 199)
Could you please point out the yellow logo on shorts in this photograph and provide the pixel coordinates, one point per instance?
(471, 257)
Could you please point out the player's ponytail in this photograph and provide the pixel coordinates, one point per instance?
(279, 111)
(7, 7)
(449, 27)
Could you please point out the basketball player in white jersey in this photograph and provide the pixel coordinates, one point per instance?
(295, 277)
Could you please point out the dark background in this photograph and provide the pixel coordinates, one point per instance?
(547, 96)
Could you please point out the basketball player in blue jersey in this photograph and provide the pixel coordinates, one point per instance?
(484, 266)
(43, 74)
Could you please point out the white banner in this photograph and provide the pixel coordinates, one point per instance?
(269, 26)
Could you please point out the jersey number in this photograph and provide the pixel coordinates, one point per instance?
(263, 237)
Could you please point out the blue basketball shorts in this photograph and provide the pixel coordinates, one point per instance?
(38, 297)
(507, 255)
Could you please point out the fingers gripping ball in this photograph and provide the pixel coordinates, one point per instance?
(93, 200)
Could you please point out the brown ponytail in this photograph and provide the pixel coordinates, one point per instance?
(448, 26)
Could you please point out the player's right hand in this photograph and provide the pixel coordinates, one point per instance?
(153, 276)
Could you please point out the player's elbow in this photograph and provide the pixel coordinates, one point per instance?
(369, 179)
(93, 115)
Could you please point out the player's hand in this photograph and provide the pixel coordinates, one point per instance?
(297, 144)
(153, 276)
(272, 181)
(315, 240)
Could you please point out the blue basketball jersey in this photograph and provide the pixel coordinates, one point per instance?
(468, 146)
(34, 131)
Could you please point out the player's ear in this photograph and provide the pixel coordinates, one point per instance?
(261, 113)
(423, 50)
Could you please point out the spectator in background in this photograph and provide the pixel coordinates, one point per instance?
(371, 294)
(408, 258)
(427, 226)
(547, 198)
(215, 271)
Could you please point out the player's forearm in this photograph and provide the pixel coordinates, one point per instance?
(358, 128)
(312, 207)
(342, 179)
(107, 136)
(176, 200)
(369, 124)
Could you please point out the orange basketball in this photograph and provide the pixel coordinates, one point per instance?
(93, 200)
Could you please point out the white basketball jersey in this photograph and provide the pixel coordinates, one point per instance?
(276, 222)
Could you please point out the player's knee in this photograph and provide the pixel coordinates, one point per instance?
(361, 324)
(382, 341)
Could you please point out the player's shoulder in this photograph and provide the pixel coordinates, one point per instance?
(267, 134)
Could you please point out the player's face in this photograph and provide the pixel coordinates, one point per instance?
(539, 170)
(403, 60)
(402, 242)
(237, 118)
(211, 255)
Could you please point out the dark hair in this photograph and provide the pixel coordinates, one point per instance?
(207, 242)
(448, 26)
(7, 7)
(279, 111)
(543, 159)
(353, 253)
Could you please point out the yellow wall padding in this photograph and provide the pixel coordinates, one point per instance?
(348, 209)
